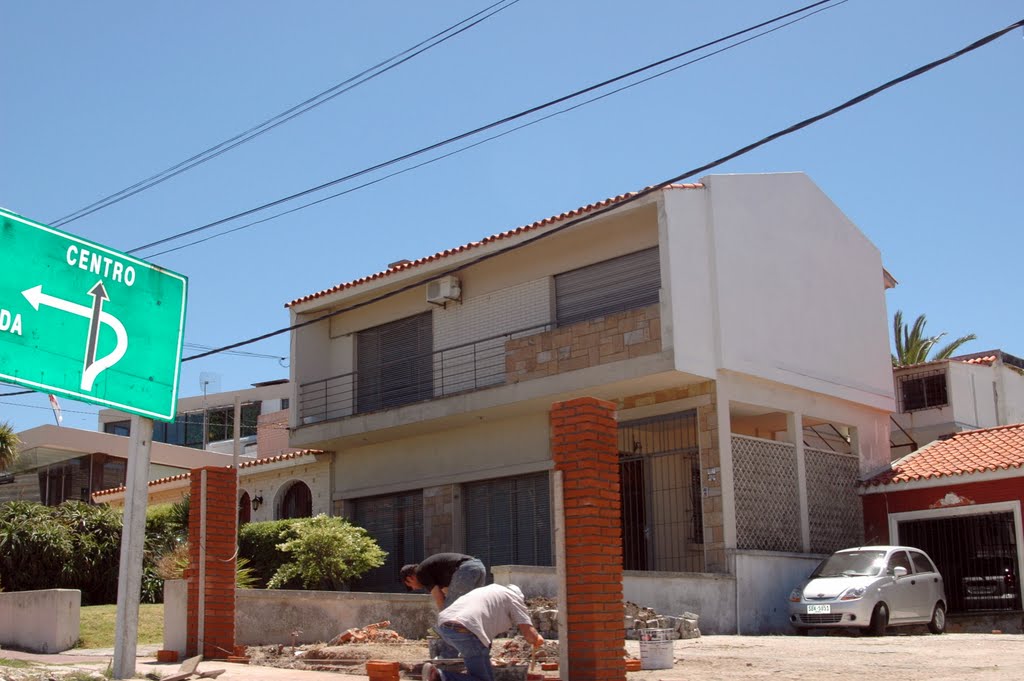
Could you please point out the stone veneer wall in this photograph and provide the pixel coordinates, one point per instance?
(438, 519)
(616, 337)
(710, 462)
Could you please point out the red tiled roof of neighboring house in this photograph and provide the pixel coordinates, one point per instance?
(970, 451)
(244, 464)
(403, 266)
(987, 361)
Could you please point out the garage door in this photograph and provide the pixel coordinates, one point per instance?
(976, 555)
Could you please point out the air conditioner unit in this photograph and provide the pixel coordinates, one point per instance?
(440, 291)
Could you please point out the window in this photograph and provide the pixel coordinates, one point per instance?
(197, 429)
(508, 520)
(122, 428)
(923, 391)
(297, 502)
(624, 283)
(394, 363)
(921, 562)
(899, 559)
(396, 523)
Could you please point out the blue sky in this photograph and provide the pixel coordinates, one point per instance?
(97, 96)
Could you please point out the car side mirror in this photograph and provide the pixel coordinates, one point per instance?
(899, 571)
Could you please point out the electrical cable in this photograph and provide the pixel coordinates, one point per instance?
(283, 117)
(489, 139)
(477, 130)
(636, 196)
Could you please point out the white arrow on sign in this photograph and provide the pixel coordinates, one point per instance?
(36, 297)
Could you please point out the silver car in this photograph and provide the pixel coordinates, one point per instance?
(871, 588)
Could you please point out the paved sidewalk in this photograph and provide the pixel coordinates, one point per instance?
(100, 658)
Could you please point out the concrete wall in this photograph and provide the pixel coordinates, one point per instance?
(711, 596)
(488, 450)
(45, 621)
(264, 616)
(763, 582)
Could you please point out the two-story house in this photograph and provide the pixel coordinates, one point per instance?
(738, 325)
(937, 399)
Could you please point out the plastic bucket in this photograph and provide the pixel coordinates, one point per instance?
(656, 649)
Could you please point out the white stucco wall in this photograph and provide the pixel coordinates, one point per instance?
(1011, 396)
(971, 391)
(45, 621)
(763, 582)
(792, 289)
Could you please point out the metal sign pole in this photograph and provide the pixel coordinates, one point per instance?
(133, 537)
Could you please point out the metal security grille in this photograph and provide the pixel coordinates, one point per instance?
(508, 520)
(623, 283)
(976, 556)
(394, 363)
(834, 509)
(767, 502)
(396, 523)
(662, 519)
(922, 390)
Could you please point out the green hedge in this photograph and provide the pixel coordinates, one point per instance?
(258, 543)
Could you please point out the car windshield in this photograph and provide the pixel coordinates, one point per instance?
(851, 564)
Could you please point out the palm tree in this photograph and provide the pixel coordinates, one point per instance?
(8, 446)
(913, 346)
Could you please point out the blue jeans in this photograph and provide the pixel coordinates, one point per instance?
(470, 575)
(475, 654)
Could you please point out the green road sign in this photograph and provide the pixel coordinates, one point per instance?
(81, 320)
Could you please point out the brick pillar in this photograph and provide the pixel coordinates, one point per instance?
(584, 446)
(211, 615)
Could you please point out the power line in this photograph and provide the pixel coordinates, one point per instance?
(289, 114)
(492, 137)
(483, 128)
(637, 195)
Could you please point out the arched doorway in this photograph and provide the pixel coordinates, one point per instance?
(244, 509)
(297, 502)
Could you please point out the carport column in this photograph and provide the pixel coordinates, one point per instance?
(795, 427)
(584, 446)
(212, 528)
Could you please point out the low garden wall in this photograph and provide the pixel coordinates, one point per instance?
(270, 616)
(45, 621)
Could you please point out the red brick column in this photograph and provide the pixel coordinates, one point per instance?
(584, 445)
(211, 617)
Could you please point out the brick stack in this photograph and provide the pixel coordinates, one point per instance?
(218, 607)
(585, 448)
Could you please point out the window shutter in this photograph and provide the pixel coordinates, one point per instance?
(394, 363)
(396, 523)
(508, 520)
(615, 285)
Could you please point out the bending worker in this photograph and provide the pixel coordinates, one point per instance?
(445, 575)
(472, 621)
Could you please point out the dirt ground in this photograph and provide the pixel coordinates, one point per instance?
(950, 657)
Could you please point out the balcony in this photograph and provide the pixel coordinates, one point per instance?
(510, 357)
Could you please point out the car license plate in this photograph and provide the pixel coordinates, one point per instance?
(819, 609)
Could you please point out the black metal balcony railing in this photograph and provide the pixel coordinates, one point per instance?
(415, 378)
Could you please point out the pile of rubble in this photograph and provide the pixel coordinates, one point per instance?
(371, 633)
(544, 613)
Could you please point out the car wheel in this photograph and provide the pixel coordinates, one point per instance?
(938, 623)
(879, 620)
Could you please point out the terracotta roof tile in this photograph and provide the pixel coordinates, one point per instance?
(987, 361)
(403, 266)
(971, 451)
(244, 464)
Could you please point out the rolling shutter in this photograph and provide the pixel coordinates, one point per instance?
(396, 523)
(615, 285)
(508, 520)
(394, 363)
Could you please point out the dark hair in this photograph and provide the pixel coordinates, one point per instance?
(405, 572)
